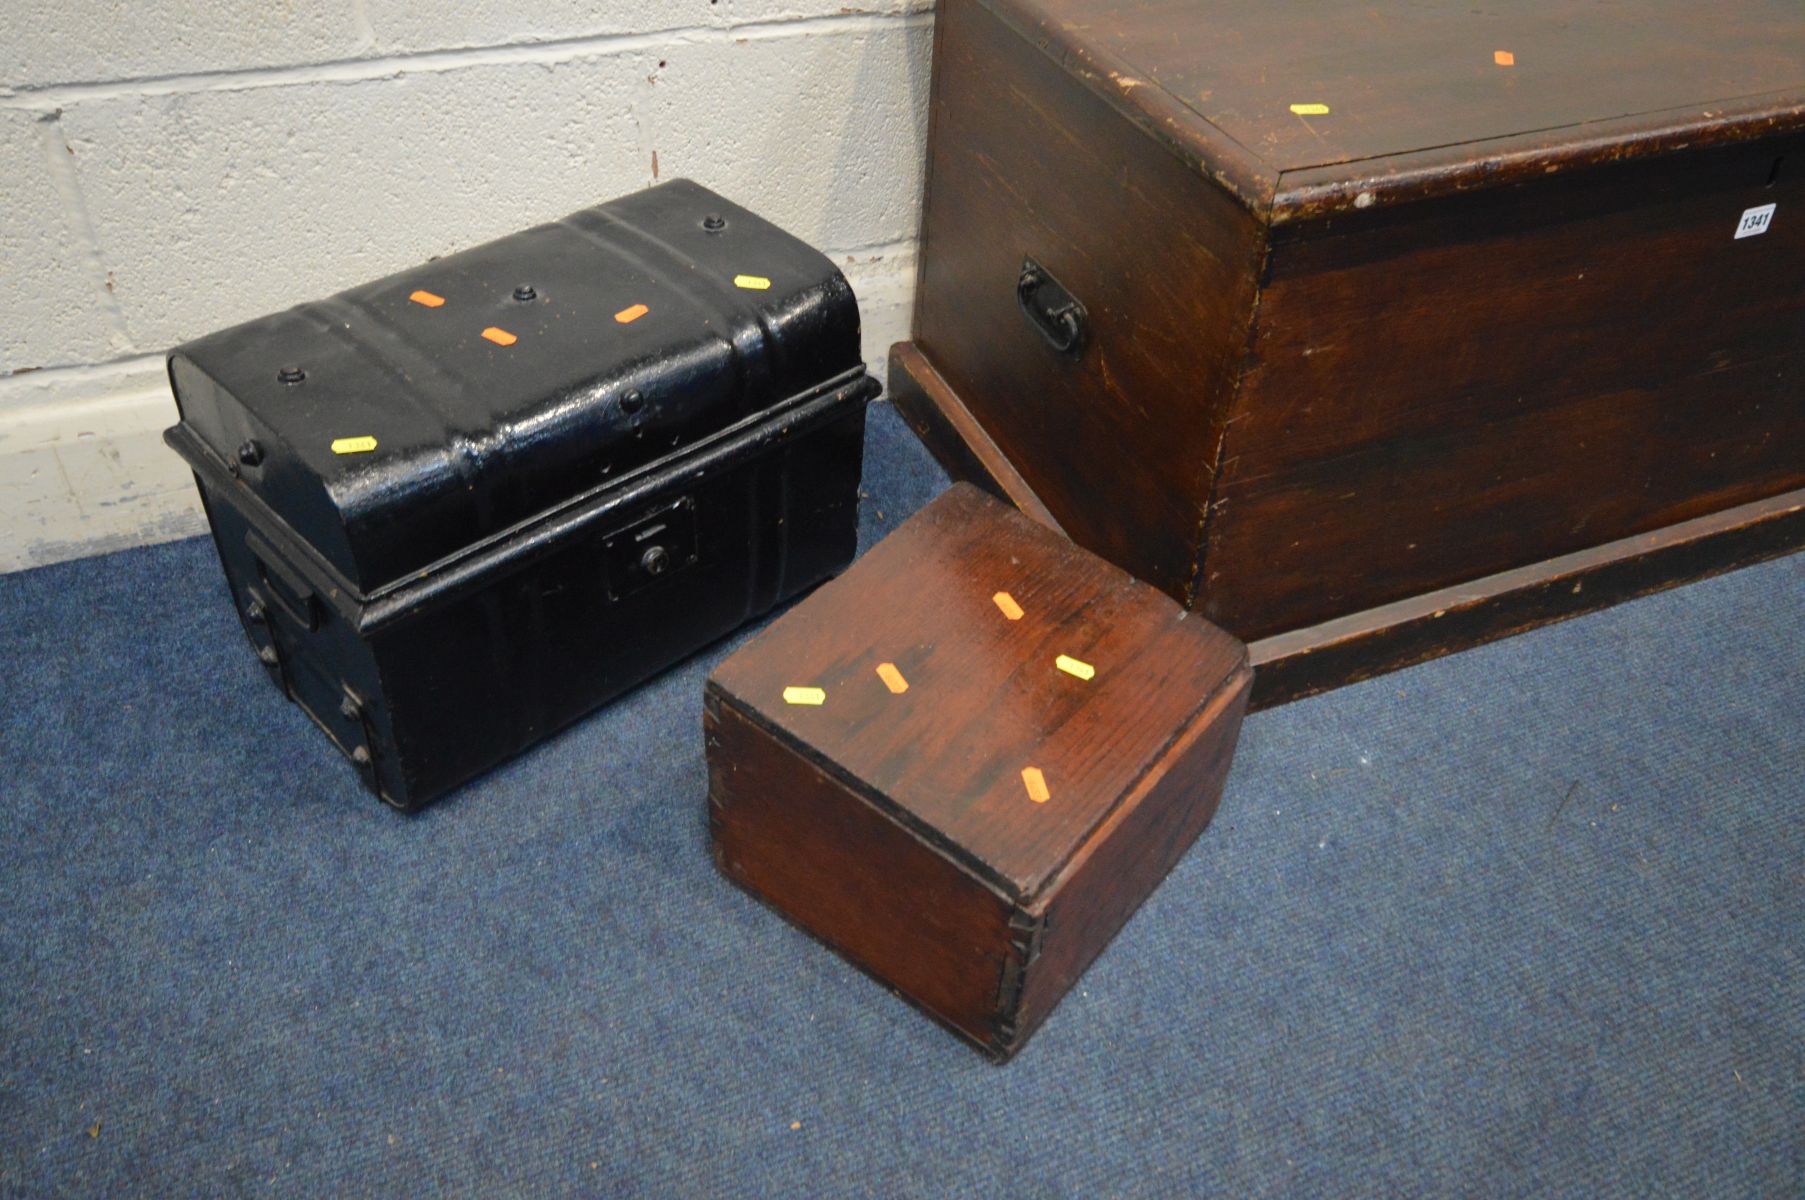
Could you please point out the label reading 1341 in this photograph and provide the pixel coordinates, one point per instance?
(1755, 220)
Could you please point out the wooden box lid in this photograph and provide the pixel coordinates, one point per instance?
(1288, 102)
(938, 662)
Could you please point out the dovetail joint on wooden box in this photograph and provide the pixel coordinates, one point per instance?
(1026, 935)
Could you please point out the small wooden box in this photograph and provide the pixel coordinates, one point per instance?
(968, 760)
(1371, 331)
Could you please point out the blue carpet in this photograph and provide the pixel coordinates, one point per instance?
(1527, 921)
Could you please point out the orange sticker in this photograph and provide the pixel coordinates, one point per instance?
(1504, 58)
(427, 298)
(627, 316)
(500, 337)
(1036, 783)
(1006, 602)
(893, 678)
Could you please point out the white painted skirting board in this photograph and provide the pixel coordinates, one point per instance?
(83, 467)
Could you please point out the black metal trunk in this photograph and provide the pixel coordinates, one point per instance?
(463, 506)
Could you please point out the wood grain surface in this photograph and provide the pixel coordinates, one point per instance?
(1119, 441)
(841, 867)
(1479, 316)
(1390, 86)
(965, 763)
(1506, 377)
(985, 698)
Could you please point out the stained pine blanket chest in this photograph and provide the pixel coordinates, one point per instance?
(464, 505)
(1370, 331)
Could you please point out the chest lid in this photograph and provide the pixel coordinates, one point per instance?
(406, 420)
(995, 687)
(1283, 100)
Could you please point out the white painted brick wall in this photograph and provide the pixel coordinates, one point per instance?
(54, 307)
(175, 166)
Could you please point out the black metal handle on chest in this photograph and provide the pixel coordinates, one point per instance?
(1054, 312)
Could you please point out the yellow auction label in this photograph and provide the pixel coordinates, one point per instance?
(804, 695)
(1310, 110)
(1072, 666)
(752, 283)
(356, 445)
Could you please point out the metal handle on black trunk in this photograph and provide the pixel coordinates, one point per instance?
(284, 586)
(1054, 312)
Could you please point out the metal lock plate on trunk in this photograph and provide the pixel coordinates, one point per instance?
(654, 547)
